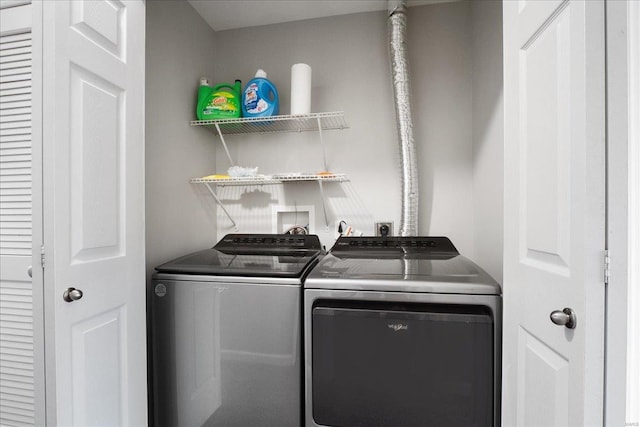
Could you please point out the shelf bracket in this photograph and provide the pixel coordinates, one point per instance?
(324, 206)
(324, 152)
(215, 197)
(226, 149)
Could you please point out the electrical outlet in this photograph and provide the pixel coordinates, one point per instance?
(384, 226)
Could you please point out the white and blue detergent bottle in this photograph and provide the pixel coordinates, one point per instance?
(260, 97)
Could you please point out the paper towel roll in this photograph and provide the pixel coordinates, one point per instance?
(300, 89)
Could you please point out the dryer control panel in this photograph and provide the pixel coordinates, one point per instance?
(410, 244)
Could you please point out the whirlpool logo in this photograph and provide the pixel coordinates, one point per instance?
(398, 327)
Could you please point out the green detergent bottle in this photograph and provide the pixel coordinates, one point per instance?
(219, 102)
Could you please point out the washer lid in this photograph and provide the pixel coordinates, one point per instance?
(250, 256)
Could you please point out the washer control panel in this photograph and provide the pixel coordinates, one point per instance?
(269, 241)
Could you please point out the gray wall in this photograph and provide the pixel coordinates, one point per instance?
(441, 68)
(180, 48)
(488, 122)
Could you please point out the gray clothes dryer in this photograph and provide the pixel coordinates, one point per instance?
(401, 331)
(226, 333)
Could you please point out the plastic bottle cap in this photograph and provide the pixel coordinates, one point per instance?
(261, 73)
(204, 81)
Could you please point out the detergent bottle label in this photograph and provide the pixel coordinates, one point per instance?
(221, 101)
(253, 102)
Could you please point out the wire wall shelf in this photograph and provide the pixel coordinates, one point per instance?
(212, 183)
(271, 179)
(273, 124)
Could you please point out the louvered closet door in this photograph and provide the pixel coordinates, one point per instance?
(16, 302)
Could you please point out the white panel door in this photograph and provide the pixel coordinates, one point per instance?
(94, 212)
(554, 212)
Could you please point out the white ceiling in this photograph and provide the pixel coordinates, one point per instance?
(230, 14)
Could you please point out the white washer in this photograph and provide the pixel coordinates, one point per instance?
(401, 331)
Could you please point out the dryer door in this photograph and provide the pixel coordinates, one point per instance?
(382, 364)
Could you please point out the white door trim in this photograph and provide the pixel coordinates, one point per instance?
(633, 316)
(618, 214)
(623, 293)
(47, 128)
(37, 213)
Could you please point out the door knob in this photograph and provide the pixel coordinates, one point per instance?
(566, 318)
(30, 271)
(72, 294)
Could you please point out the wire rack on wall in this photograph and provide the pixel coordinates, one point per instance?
(271, 179)
(284, 123)
(210, 183)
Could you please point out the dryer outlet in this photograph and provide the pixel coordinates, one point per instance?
(384, 228)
